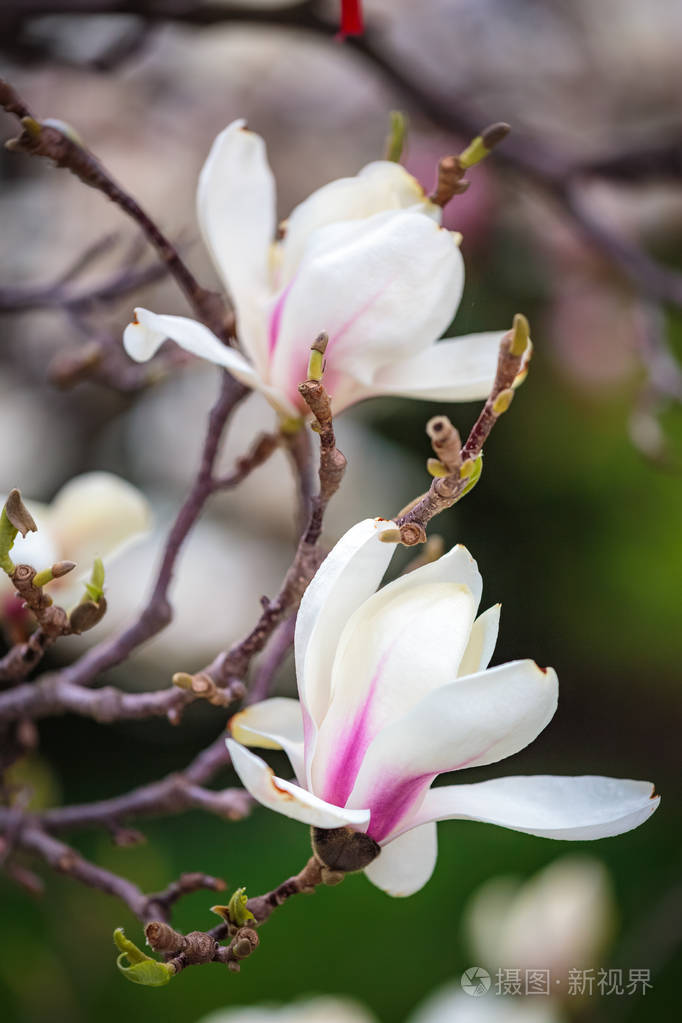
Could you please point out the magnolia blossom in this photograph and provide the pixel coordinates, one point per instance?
(93, 515)
(447, 1005)
(395, 689)
(451, 1005)
(364, 259)
(558, 920)
(329, 1009)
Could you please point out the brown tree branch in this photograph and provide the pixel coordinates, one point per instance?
(60, 144)
(459, 467)
(234, 663)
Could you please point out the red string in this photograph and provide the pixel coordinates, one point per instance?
(351, 18)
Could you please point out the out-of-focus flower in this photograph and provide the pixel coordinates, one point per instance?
(364, 259)
(93, 515)
(394, 690)
(314, 1010)
(558, 920)
(448, 1004)
(451, 1005)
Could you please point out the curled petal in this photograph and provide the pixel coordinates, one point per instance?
(144, 336)
(574, 809)
(272, 724)
(287, 798)
(405, 865)
(236, 212)
(455, 369)
(482, 642)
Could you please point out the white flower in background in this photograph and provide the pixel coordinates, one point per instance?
(559, 919)
(448, 1004)
(451, 1005)
(93, 515)
(330, 1009)
(362, 258)
(394, 690)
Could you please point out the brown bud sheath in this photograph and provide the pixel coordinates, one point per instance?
(343, 849)
(18, 513)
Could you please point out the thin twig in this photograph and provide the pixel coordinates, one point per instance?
(61, 145)
(447, 489)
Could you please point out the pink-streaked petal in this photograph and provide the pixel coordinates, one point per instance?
(236, 212)
(405, 865)
(573, 809)
(405, 640)
(388, 659)
(287, 798)
(382, 288)
(349, 575)
(475, 720)
(454, 369)
(482, 642)
(382, 185)
(273, 724)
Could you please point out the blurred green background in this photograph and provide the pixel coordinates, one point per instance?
(575, 531)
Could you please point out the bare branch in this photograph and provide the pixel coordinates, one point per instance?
(60, 144)
(458, 469)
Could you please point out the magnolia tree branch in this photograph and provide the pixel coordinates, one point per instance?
(200, 947)
(59, 142)
(31, 838)
(64, 294)
(176, 793)
(458, 467)
(157, 613)
(234, 663)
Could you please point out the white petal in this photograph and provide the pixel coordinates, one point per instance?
(144, 336)
(405, 865)
(404, 641)
(236, 212)
(580, 808)
(272, 724)
(454, 369)
(379, 186)
(348, 575)
(97, 514)
(475, 720)
(481, 642)
(287, 798)
(560, 918)
(382, 288)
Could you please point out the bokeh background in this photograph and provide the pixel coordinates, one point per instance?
(575, 523)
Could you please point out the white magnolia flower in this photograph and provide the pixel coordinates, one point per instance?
(451, 1005)
(558, 920)
(93, 515)
(395, 689)
(329, 1009)
(362, 258)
